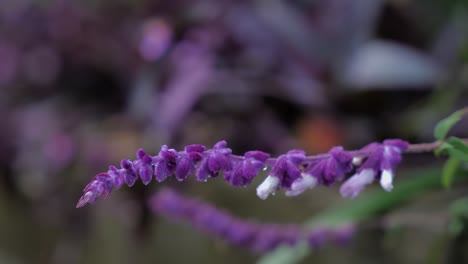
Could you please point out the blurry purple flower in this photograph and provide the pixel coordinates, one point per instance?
(381, 161)
(155, 40)
(344, 234)
(284, 172)
(257, 237)
(318, 237)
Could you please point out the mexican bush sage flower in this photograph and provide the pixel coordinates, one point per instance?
(326, 171)
(379, 164)
(284, 172)
(294, 171)
(246, 169)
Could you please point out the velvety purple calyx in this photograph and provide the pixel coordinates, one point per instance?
(332, 169)
(383, 156)
(245, 170)
(165, 163)
(100, 185)
(144, 166)
(116, 176)
(380, 163)
(129, 173)
(216, 160)
(187, 159)
(286, 167)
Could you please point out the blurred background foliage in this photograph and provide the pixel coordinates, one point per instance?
(86, 83)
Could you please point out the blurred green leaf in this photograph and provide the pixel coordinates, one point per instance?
(457, 154)
(443, 127)
(458, 144)
(455, 227)
(365, 206)
(443, 149)
(455, 148)
(448, 171)
(459, 210)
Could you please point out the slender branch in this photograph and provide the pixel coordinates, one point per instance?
(426, 147)
(412, 149)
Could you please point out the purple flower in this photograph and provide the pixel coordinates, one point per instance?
(187, 160)
(216, 161)
(245, 170)
(128, 172)
(100, 185)
(143, 166)
(333, 168)
(324, 171)
(380, 162)
(292, 171)
(165, 163)
(284, 172)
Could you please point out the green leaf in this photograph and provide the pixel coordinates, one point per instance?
(365, 206)
(457, 154)
(443, 127)
(443, 149)
(458, 144)
(448, 171)
(455, 226)
(455, 148)
(459, 211)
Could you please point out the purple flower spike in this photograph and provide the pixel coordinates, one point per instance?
(166, 163)
(381, 162)
(144, 166)
(129, 173)
(217, 160)
(245, 170)
(116, 176)
(101, 184)
(284, 172)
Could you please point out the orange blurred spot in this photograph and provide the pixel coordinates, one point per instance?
(318, 134)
